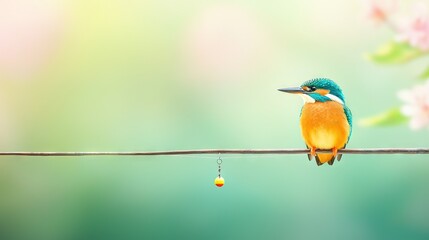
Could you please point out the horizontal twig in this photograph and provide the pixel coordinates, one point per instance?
(224, 151)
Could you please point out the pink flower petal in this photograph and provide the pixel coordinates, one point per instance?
(416, 105)
(379, 11)
(415, 30)
(409, 110)
(416, 124)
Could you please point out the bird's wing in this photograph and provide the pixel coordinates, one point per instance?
(349, 119)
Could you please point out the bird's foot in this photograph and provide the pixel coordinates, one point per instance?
(334, 155)
(334, 151)
(313, 151)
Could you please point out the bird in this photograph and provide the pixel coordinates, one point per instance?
(325, 120)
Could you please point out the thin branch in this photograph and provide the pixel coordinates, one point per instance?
(223, 151)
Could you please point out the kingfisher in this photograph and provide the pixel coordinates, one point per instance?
(326, 121)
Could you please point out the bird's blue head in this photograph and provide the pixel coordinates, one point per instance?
(318, 90)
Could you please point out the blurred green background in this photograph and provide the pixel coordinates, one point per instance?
(161, 75)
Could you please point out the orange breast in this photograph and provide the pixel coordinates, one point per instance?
(324, 125)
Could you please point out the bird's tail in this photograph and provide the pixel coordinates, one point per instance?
(322, 158)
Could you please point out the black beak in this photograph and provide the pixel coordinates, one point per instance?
(292, 90)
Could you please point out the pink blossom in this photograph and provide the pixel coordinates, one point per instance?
(416, 105)
(379, 11)
(415, 30)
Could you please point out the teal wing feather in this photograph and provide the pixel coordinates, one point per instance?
(349, 119)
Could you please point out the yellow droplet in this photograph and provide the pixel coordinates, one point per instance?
(219, 181)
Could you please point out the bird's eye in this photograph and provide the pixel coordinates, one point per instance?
(309, 89)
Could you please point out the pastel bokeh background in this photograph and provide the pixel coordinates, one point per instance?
(161, 75)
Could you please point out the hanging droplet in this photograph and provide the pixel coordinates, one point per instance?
(219, 181)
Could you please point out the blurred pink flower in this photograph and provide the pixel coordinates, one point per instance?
(29, 33)
(416, 105)
(379, 11)
(415, 30)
